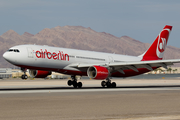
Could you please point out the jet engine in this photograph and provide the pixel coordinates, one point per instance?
(97, 72)
(39, 73)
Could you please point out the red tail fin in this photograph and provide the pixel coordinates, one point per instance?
(156, 50)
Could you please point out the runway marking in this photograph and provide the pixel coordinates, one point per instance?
(89, 90)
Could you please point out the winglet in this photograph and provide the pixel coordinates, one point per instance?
(156, 50)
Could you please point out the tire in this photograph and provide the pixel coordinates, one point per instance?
(79, 84)
(113, 85)
(69, 82)
(108, 84)
(103, 83)
(75, 84)
(22, 77)
(25, 77)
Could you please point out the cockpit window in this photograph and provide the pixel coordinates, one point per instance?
(10, 50)
(13, 50)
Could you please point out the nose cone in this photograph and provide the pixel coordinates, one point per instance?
(7, 57)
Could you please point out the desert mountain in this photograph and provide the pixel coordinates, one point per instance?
(79, 37)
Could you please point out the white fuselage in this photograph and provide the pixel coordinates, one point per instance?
(56, 59)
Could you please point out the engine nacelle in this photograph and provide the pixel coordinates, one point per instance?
(97, 72)
(39, 73)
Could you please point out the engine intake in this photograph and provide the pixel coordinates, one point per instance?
(97, 72)
(39, 73)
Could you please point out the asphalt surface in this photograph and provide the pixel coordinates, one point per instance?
(53, 99)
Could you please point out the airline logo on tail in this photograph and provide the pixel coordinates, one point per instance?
(157, 49)
(161, 45)
(162, 42)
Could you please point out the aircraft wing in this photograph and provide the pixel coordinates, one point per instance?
(120, 66)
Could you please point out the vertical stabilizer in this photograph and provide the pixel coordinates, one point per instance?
(157, 49)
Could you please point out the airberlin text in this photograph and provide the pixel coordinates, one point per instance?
(56, 56)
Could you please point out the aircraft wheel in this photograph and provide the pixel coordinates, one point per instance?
(24, 76)
(113, 85)
(75, 84)
(79, 84)
(70, 82)
(108, 84)
(103, 83)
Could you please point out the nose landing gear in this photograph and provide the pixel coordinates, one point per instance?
(74, 82)
(24, 76)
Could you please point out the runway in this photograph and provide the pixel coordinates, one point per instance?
(44, 86)
(52, 99)
(88, 89)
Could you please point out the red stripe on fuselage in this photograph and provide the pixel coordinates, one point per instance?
(63, 71)
(128, 73)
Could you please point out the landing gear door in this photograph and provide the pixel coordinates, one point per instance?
(30, 52)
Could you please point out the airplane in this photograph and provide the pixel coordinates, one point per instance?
(42, 60)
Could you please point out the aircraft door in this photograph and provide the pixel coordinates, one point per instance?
(30, 52)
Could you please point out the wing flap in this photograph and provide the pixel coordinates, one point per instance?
(153, 63)
(120, 66)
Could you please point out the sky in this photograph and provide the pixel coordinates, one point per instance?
(139, 19)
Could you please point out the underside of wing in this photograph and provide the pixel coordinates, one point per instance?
(149, 65)
(133, 65)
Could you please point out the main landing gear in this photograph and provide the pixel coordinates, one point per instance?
(24, 76)
(74, 82)
(108, 84)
